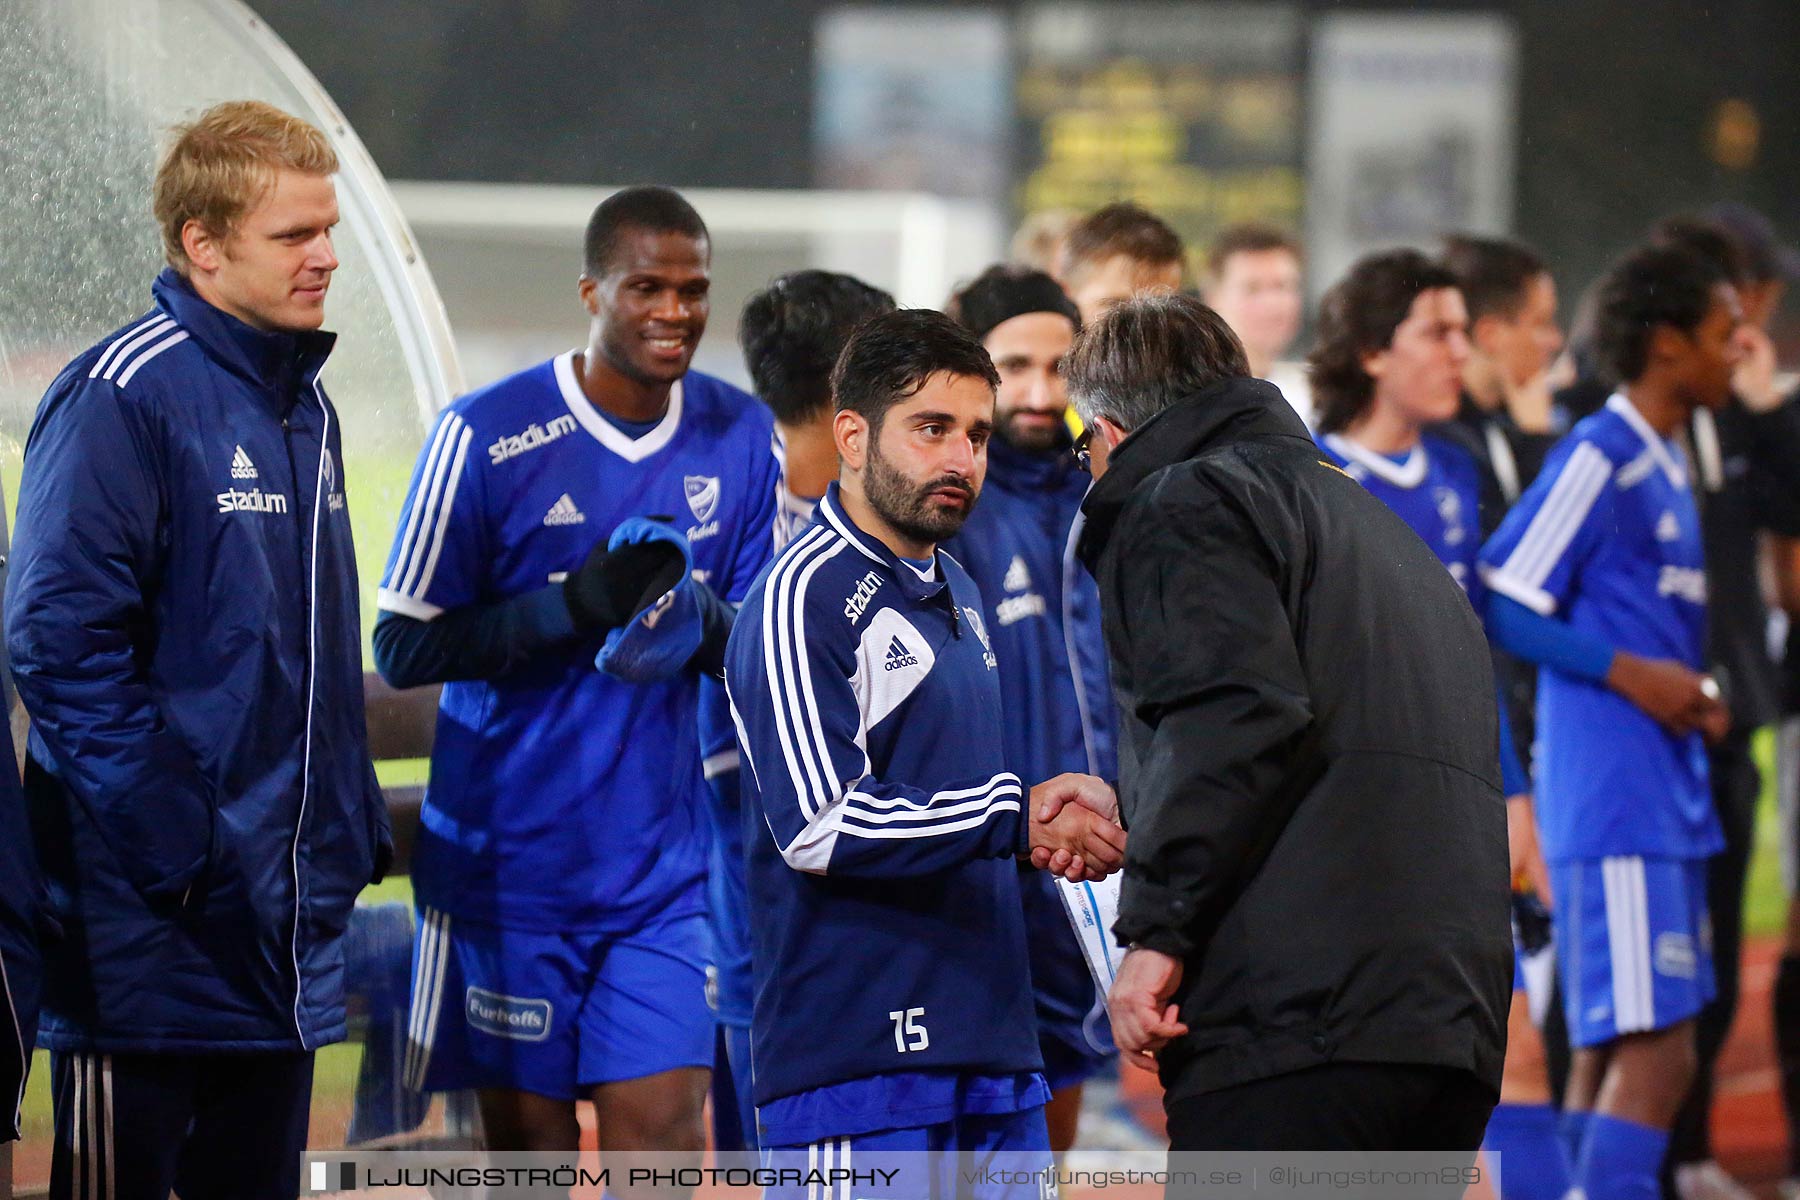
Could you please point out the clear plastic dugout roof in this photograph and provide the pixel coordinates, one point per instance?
(91, 88)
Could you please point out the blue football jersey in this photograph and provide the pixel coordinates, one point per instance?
(1435, 489)
(560, 797)
(1608, 539)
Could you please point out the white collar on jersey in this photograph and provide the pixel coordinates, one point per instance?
(1408, 474)
(605, 432)
(1659, 448)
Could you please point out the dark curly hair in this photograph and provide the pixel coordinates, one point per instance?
(890, 356)
(793, 331)
(1670, 284)
(1358, 316)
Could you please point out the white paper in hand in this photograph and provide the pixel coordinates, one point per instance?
(1092, 908)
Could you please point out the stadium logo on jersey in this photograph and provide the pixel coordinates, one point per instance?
(1668, 529)
(1017, 608)
(513, 1017)
(564, 512)
(1675, 955)
(899, 656)
(858, 600)
(530, 438)
(1017, 577)
(254, 500)
(1685, 583)
(241, 466)
(702, 495)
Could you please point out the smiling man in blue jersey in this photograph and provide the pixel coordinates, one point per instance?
(1043, 613)
(562, 852)
(791, 333)
(1598, 574)
(881, 813)
(1387, 364)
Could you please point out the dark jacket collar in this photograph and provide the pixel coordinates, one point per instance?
(1228, 411)
(1030, 470)
(831, 512)
(281, 363)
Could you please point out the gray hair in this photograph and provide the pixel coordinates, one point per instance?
(1144, 354)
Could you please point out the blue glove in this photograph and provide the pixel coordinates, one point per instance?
(659, 640)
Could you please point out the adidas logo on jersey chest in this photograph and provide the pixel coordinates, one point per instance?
(899, 656)
(564, 512)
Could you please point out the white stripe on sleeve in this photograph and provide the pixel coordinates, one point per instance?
(1555, 524)
(137, 364)
(149, 328)
(435, 460)
(443, 518)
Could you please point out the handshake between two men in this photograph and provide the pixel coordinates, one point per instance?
(1073, 828)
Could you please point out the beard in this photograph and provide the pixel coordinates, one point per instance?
(1031, 438)
(907, 506)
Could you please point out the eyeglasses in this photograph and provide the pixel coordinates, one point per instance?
(1083, 454)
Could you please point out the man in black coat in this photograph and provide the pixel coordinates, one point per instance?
(1316, 885)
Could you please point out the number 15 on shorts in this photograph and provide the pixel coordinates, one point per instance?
(909, 1029)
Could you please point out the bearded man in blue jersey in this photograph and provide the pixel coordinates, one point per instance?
(893, 1010)
(1599, 576)
(614, 503)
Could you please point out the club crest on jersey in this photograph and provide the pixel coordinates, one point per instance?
(980, 628)
(702, 495)
(334, 495)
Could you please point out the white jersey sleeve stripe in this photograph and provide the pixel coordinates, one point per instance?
(443, 517)
(980, 789)
(1555, 524)
(148, 334)
(783, 657)
(1557, 536)
(434, 459)
(1535, 598)
(137, 364)
(388, 600)
(919, 831)
(812, 735)
(159, 321)
(1560, 515)
(434, 498)
(856, 808)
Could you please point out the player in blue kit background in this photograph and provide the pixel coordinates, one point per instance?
(562, 853)
(893, 1009)
(1386, 368)
(1042, 610)
(1599, 575)
(791, 333)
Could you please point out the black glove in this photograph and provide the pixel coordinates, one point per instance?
(613, 585)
